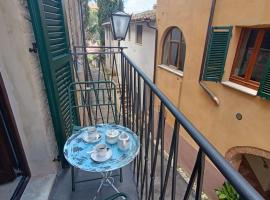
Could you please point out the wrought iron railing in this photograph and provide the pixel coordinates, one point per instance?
(146, 111)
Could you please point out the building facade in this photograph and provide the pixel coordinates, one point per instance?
(234, 73)
(140, 40)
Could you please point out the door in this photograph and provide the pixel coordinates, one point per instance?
(7, 173)
(51, 36)
(13, 163)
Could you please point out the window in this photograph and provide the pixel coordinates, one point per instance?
(139, 31)
(251, 58)
(174, 49)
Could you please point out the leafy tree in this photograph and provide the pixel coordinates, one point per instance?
(105, 9)
(92, 25)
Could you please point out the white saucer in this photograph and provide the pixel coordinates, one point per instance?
(86, 139)
(101, 159)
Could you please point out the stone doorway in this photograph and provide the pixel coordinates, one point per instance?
(254, 165)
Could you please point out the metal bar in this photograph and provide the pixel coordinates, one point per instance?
(200, 176)
(127, 92)
(134, 101)
(240, 184)
(130, 95)
(153, 169)
(162, 152)
(171, 153)
(123, 89)
(72, 179)
(97, 53)
(99, 47)
(94, 179)
(141, 135)
(152, 134)
(175, 163)
(132, 98)
(139, 122)
(193, 175)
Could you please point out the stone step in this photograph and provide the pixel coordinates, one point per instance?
(39, 187)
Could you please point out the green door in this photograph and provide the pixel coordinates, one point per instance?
(48, 20)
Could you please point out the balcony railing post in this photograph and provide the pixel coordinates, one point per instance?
(123, 87)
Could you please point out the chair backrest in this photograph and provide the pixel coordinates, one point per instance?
(96, 102)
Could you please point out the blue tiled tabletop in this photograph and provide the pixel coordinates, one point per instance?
(75, 150)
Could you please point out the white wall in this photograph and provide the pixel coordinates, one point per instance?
(141, 54)
(22, 77)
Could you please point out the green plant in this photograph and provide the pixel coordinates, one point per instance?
(105, 9)
(227, 192)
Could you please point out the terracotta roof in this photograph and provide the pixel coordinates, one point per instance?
(150, 14)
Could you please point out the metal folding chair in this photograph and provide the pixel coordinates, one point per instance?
(95, 103)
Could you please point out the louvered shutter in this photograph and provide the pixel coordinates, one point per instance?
(217, 53)
(51, 36)
(264, 90)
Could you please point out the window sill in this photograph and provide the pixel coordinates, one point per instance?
(171, 69)
(240, 88)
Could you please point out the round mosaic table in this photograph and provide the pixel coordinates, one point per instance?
(76, 152)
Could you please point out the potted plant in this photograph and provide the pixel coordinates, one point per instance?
(227, 192)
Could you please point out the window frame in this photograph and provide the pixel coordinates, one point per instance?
(169, 34)
(246, 81)
(137, 42)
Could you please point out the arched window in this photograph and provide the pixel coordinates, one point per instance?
(174, 49)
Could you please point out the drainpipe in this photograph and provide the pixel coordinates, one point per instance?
(148, 20)
(210, 22)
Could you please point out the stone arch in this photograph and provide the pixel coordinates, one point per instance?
(238, 157)
(232, 153)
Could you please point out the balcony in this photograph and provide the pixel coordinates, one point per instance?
(142, 107)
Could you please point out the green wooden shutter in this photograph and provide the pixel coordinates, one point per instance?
(264, 90)
(51, 36)
(217, 53)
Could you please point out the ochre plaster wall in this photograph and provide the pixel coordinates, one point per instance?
(217, 123)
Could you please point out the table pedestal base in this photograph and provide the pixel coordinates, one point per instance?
(107, 180)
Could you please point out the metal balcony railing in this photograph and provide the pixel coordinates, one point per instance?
(146, 111)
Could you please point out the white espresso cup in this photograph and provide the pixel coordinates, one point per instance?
(123, 141)
(91, 133)
(101, 150)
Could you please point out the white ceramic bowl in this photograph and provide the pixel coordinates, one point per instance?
(112, 136)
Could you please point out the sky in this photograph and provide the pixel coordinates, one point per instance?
(135, 6)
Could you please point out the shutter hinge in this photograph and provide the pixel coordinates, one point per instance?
(34, 48)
